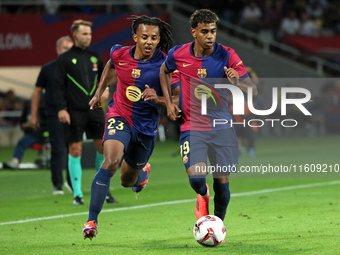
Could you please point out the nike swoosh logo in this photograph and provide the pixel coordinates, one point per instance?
(139, 164)
(121, 64)
(101, 184)
(185, 65)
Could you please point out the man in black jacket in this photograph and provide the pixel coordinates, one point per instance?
(55, 128)
(75, 81)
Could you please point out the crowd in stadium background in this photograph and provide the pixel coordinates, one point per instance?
(320, 16)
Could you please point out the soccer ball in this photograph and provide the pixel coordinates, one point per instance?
(209, 230)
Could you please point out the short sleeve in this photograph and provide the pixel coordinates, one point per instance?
(41, 81)
(236, 63)
(170, 62)
(114, 47)
(175, 79)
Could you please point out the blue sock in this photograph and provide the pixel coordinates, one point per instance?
(99, 160)
(198, 183)
(99, 189)
(74, 168)
(221, 199)
(141, 178)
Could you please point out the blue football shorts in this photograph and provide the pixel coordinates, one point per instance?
(219, 146)
(137, 147)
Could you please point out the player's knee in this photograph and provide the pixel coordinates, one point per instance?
(75, 153)
(75, 150)
(110, 164)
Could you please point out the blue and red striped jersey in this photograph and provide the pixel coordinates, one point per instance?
(197, 74)
(132, 76)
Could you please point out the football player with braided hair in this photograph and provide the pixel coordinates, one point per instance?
(131, 121)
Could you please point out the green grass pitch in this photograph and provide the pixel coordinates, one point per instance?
(301, 219)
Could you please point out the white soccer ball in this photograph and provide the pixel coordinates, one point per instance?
(209, 230)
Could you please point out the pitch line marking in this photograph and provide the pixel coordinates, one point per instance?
(249, 193)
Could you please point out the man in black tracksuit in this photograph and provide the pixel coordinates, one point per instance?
(75, 81)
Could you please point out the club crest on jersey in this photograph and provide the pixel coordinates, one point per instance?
(201, 73)
(135, 73)
(133, 93)
(112, 131)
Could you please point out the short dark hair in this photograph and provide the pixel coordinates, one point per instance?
(203, 16)
(164, 29)
(79, 22)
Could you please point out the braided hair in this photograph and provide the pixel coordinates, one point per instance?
(164, 30)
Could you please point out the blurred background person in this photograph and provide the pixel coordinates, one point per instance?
(11, 106)
(251, 17)
(308, 27)
(31, 136)
(289, 25)
(55, 128)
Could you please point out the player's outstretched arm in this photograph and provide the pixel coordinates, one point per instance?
(172, 107)
(108, 74)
